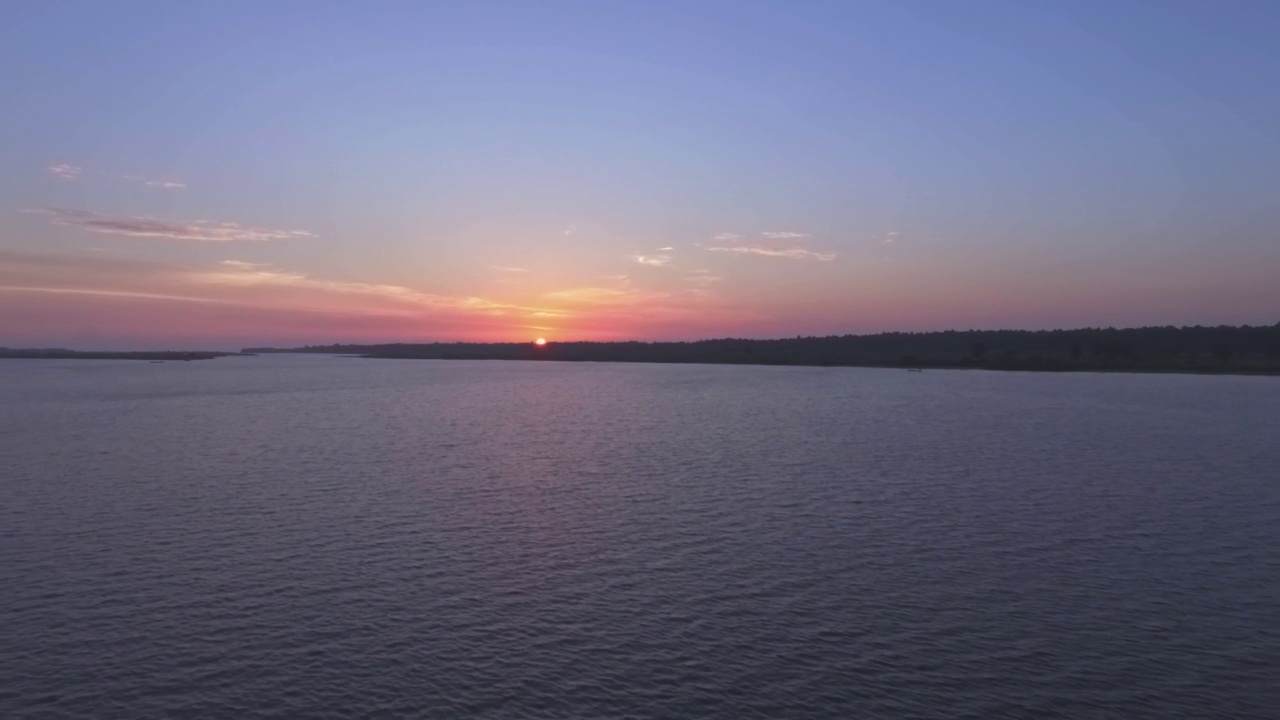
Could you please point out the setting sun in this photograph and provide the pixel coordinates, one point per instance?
(540, 342)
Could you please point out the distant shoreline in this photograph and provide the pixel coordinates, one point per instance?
(1200, 350)
(993, 368)
(1269, 372)
(151, 355)
(177, 356)
(1222, 350)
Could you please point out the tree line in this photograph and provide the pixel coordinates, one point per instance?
(1162, 348)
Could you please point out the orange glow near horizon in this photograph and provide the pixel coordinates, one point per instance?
(102, 301)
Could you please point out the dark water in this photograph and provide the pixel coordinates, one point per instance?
(320, 537)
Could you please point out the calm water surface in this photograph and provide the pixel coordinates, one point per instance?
(316, 537)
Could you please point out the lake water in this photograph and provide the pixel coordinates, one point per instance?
(323, 537)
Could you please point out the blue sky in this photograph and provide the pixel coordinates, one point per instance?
(910, 165)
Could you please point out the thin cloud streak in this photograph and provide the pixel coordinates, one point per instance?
(508, 269)
(119, 294)
(65, 171)
(148, 227)
(236, 282)
(787, 245)
(624, 301)
(651, 260)
(791, 254)
(593, 295)
(702, 277)
(627, 303)
(242, 298)
(250, 275)
(68, 172)
(149, 182)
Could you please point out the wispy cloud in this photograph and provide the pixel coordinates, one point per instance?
(666, 249)
(792, 253)
(242, 265)
(149, 182)
(165, 184)
(230, 281)
(623, 299)
(596, 295)
(125, 294)
(788, 245)
(388, 298)
(651, 260)
(508, 269)
(625, 296)
(239, 298)
(235, 272)
(235, 298)
(68, 172)
(604, 308)
(889, 238)
(149, 227)
(725, 236)
(65, 171)
(702, 277)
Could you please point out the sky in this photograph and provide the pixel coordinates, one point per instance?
(225, 174)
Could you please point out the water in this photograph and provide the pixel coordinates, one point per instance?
(314, 537)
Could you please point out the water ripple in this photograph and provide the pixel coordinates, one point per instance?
(336, 538)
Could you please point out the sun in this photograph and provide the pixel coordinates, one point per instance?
(540, 342)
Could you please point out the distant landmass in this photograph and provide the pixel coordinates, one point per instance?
(1199, 349)
(63, 354)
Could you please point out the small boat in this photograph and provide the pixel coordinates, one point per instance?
(915, 369)
(153, 362)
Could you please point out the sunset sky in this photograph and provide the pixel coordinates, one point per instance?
(222, 174)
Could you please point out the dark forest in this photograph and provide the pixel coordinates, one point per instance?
(1242, 349)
